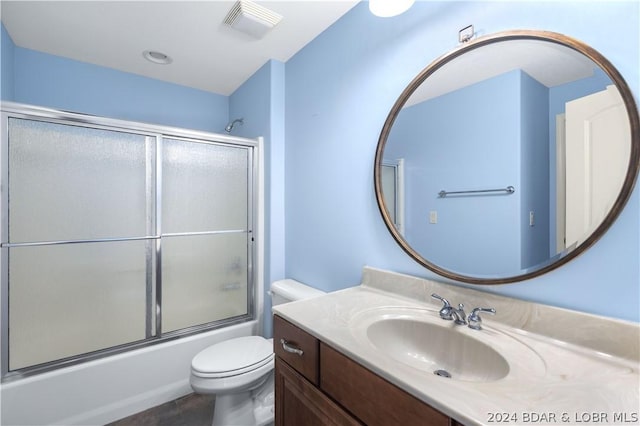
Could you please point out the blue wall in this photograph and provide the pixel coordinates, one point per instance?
(260, 102)
(503, 143)
(56, 82)
(339, 90)
(337, 93)
(7, 49)
(453, 150)
(534, 175)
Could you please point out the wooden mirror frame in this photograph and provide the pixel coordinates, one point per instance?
(616, 209)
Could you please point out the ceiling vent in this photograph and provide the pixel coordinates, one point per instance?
(251, 18)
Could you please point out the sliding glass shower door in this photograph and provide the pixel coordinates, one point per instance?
(204, 244)
(114, 238)
(70, 189)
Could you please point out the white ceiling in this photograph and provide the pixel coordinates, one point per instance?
(207, 54)
(549, 63)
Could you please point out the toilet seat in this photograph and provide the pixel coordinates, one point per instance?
(240, 372)
(233, 357)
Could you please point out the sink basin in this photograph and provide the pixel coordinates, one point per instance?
(441, 350)
(418, 338)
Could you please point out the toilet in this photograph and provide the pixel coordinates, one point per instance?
(240, 371)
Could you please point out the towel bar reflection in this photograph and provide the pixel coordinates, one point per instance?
(507, 190)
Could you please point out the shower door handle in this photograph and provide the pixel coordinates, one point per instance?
(291, 349)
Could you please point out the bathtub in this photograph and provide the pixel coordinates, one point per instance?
(108, 389)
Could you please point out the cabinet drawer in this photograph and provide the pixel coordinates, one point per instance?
(306, 363)
(372, 399)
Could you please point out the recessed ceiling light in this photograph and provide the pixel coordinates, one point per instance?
(157, 57)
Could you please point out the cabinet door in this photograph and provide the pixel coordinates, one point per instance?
(300, 403)
(371, 398)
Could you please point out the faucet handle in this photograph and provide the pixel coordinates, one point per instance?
(442, 299)
(475, 322)
(445, 311)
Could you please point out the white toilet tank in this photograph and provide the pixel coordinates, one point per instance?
(289, 290)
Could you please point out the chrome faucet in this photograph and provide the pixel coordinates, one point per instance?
(448, 312)
(475, 322)
(459, 317)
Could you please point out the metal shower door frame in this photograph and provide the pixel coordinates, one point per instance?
(154, 138)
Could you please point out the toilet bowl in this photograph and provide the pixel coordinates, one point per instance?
(233, 370)
(239, 371)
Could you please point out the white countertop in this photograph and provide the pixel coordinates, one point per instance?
(551, 380)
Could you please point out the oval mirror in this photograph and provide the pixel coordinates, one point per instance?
(507, 157)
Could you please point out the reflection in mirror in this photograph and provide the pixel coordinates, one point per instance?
(533, 114)
(393, 190)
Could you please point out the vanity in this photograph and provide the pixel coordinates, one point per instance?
(401, 350)
(368, 354)
(317, 384)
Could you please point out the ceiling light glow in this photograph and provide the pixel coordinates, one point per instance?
(388, 8)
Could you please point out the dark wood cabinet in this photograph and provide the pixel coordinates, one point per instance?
(305, 363)
(300, 403)
(318, 385)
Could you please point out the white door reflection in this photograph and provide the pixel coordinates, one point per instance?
(393, 190)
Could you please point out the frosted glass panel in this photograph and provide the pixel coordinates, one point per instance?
(204, 279)
(204, 187)
(66, 300)
(69, 182)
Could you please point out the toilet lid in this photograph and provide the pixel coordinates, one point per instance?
(233, 356)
